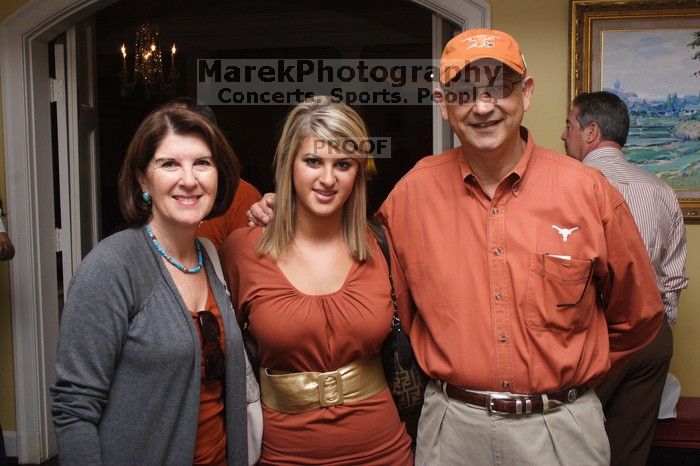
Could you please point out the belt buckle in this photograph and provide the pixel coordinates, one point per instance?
(496, 396)
(330, 389)
(527, 400)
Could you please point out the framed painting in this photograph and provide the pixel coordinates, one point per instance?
(648, 53)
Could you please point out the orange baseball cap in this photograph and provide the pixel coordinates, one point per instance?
(475, 44)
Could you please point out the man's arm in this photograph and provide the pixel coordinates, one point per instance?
(218, 228)
(7, 249)
(239, 207)
(671, 275)
(633, 307)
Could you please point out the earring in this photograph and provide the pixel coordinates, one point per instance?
(146, 197)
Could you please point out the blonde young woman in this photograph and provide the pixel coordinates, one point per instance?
(314, 290)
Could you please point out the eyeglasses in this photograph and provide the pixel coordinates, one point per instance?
(214, 361)
(465, 94)
(585, 287)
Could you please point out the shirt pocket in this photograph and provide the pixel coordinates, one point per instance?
(559, 295)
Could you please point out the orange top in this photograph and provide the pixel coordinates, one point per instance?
(210, 448)
(218, 228)
(300, 332)
(503, 300)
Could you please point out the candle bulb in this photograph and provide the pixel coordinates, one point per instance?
(123, 49)
(172, 57)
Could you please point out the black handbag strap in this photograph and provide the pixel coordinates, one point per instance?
(384, 246)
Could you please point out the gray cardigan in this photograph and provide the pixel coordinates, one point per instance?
(128, 364)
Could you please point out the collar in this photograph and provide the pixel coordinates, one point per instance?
(602, 153)
(517, 175)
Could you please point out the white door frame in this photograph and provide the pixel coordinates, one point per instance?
(64, 241)
(24, 71)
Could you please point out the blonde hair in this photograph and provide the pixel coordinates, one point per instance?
(334, 123)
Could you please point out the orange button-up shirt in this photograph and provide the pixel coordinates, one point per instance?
(535, 290)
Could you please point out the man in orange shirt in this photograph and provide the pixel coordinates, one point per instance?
(528, 275)
(521, 274)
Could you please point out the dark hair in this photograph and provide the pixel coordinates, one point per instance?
(192, 104)
(153, 129)
(608, 111)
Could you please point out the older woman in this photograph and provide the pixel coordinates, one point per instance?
(315, 293)
(150, 366)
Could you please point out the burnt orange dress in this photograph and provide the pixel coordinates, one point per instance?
(210, 447)
(299, 332)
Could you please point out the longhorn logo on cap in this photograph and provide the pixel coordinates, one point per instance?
(481, 41)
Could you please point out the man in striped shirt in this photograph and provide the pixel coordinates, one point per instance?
(596, 131)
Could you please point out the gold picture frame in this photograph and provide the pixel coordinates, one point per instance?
(610, 38)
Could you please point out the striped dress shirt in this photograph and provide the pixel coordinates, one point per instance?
(658, 217)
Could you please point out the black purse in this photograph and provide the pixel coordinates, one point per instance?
(403, 374)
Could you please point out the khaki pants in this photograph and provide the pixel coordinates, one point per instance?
(451, 432)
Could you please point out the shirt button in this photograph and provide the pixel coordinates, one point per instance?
(499, 296)
(506, 384)
(494, 211)
(502, 339)
(496, 252)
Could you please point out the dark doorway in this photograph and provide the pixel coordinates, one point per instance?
(392, 29)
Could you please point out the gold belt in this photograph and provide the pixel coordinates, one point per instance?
(296, 392)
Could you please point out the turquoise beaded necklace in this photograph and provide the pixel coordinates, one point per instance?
(168, 258)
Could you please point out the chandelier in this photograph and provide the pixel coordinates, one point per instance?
(148, 65)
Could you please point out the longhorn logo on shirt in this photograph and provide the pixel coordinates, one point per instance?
(565, 232)
(481, 41)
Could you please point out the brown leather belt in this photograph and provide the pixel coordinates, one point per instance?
(514, 404)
